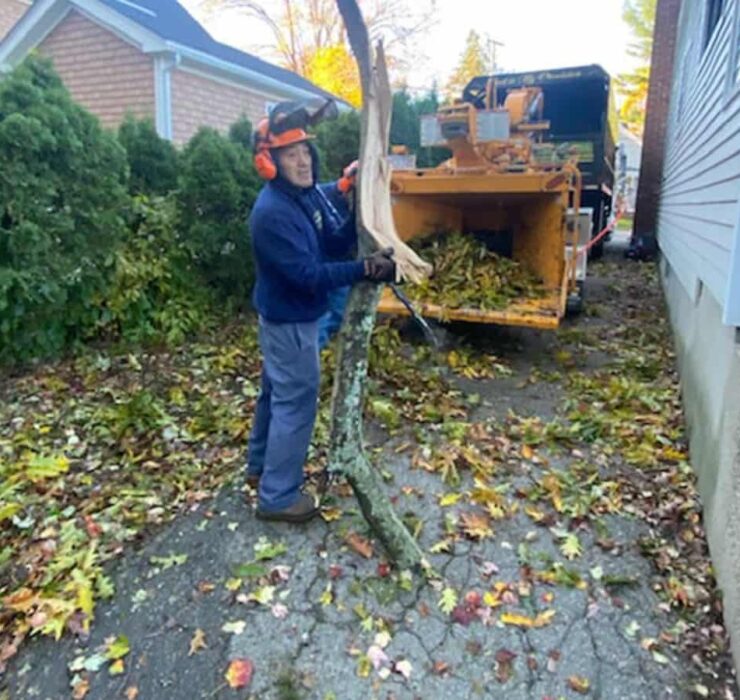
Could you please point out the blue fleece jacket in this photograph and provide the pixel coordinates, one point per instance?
(294, 236)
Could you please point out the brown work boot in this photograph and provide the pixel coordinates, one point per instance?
(253, 481)
(305, 508)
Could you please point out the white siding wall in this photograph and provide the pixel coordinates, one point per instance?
(698, 215)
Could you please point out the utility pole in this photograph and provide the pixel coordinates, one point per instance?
(492, 45)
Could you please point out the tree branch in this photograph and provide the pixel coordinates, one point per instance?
(347, 455)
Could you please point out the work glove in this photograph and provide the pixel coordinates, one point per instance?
(346, 183)
(380, 266)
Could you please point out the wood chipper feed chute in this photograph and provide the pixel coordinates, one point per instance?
(497, 188)
(521, 216)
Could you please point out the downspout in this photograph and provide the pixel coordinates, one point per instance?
(163, 65)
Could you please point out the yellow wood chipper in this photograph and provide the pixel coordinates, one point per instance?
(502, 183)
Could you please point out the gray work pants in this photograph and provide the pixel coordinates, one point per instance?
(286, 410)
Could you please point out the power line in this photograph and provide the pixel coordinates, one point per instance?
(492, 44)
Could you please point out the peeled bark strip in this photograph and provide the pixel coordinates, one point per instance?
(375, 229)
(375, 217)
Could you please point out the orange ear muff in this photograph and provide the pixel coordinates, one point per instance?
(265, 165)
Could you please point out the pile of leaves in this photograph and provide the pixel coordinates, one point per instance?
(96, 450)
(469, 275)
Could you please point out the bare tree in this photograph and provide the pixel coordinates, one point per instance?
(301, 28)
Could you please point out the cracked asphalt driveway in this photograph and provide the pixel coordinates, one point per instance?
(510, 616)
(313, 647)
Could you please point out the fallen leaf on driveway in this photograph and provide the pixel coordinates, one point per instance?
(404, 668)
(579, 684)
(476, 526)
(262, 595)
(80, 689)
(377, 656)
(504, 665)
(331, 514)
(280, 611)
(360, 544)
(448, 600)
(571, 546)
(543, 619)
(449, 499)
(382, 639)
(440, 668)
(198, 642)
(236, 627)
(239, 673)
(117, 647)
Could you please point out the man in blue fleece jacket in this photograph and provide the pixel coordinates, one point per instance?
(295, 234)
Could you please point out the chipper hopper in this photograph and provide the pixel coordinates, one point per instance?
(517, 196)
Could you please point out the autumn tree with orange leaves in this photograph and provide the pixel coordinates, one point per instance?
(309, 38)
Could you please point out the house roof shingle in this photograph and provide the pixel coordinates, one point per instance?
(172, 22)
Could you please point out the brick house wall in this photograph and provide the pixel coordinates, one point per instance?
(104, 73)
(201, 101)
(656, 117)
(10, 12)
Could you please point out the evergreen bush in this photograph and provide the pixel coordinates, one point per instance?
(62, 191)
(406, 127)
(217, 188)
(240, 132)
(152, 160)
(338, 143)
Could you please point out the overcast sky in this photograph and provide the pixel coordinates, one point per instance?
(535, 34)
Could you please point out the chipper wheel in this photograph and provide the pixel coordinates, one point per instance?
(574, 304)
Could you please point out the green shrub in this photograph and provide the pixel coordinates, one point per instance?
(338, 143)
(406, 127)
(217, 187)
(152, 160)
(62, 190)
(240, 133)
(155, 294)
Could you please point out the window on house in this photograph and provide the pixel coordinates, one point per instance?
(714, 12)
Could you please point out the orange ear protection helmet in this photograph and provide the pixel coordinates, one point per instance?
(285, 126)
(263, 162)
